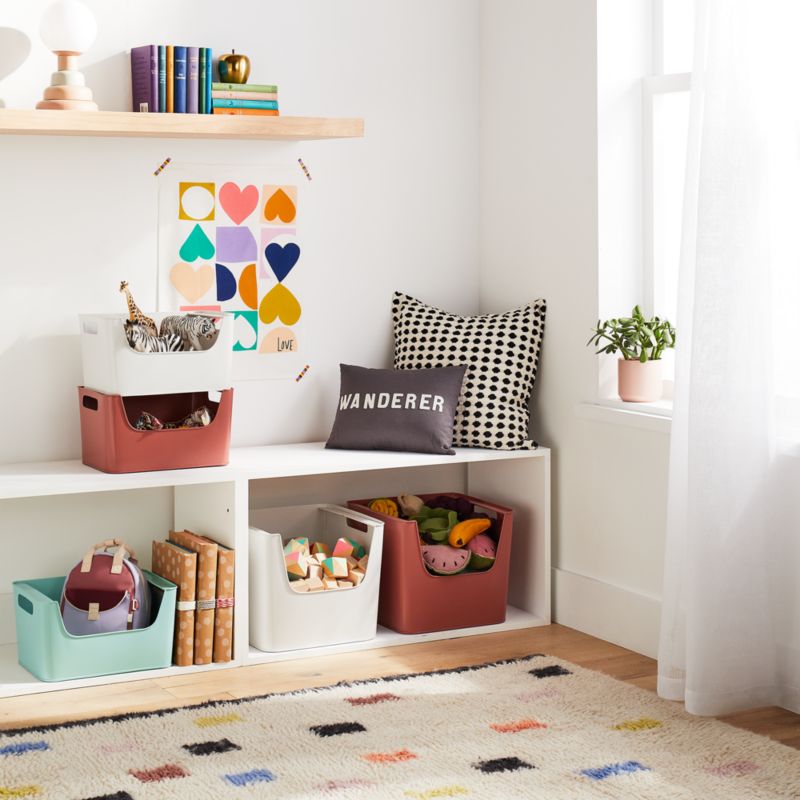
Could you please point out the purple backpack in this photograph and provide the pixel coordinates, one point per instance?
(106, 592)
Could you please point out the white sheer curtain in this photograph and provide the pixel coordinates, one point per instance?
(730, 634)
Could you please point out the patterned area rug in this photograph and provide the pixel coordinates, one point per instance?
(530, 728)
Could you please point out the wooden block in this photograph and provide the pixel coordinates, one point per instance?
(330, 583)
(314, 571)
(315, 585)
(335, 567)
(299, 545)
(343, 548)
(300, 585)
(320, 548)
(355, 576)
(344, 584)
(296, 565)
(363, 562)
(67, 92)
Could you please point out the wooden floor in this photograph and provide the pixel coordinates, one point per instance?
(555, 640)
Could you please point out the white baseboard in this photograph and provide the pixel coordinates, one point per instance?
(608, 612)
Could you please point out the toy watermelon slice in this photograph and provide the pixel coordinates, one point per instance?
(483, 551)
(445, 560)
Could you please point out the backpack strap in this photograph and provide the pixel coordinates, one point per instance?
(119, 555)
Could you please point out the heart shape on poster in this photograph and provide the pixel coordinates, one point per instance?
(248, 286)
(197, 245)
(190, 282)
(238, 203)
(244, 332)
(226, 283)
(279, 303)
(280, 206)
(279, 340)
(282, 258)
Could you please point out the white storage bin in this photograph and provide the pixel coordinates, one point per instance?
(112, 367)
(283, 619)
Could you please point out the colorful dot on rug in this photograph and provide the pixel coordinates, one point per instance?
(390, 758)
(734, 769)
(519, 725)
(163, 773)
(505, 764)
(337, 728)
(209, 748)
(442, 791)
(247, 778)
(224, 719)
(550, 672)
(19, 791)
(19, 748)
(372, 699)
(643, 724)
(609, 770)
(115, 796)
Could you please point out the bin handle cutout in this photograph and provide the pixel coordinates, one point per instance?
(90, 402)
(359, 526)
(25, 604)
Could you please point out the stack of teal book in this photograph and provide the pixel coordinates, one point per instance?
(245, 98)
(172, 78)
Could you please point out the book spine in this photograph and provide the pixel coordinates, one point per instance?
(223, 103)
(192, 80)
(180, 79)
(244, 95)
(154, 76)
(170, 78)
(210, 76)
(203, 80)
(244, 87)
(162, 78)
(141, 86)
(261, 112)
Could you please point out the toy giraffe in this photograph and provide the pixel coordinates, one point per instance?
(134, 312)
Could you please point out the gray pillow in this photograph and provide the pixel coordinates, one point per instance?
(386, 409)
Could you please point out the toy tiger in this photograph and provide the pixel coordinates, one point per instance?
(143, 342)
(197, 331)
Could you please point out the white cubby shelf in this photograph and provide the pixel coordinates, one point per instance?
(50, 510)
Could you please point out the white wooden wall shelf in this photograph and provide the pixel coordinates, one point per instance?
(217, 502)
(29, 122)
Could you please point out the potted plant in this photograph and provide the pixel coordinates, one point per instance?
(642, 343)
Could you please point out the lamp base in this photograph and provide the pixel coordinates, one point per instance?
(67, 90)
(68, 105)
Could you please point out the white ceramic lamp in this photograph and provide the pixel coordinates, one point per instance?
(68, 28)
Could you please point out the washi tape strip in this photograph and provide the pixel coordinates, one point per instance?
(304, 168)
(305, 369)
(164, 164)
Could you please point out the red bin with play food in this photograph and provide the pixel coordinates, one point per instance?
(414, 600)
(111, 442)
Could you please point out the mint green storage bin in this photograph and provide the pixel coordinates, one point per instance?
(52, 654)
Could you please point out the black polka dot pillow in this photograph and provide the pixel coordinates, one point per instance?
(501, 353)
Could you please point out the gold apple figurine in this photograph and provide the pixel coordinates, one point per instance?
(234, 68)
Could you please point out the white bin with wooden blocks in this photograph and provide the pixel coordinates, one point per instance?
(111, 366)
(284, 619)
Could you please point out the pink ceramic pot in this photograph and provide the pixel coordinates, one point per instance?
(640, 382)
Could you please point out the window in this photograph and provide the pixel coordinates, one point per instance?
(665, 127)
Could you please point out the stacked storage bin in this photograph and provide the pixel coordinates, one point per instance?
(120, 383)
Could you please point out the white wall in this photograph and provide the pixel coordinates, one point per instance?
(396, 210)
(539, 238)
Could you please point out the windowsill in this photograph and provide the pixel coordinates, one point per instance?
(649, 416)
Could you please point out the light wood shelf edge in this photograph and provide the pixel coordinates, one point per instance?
(28, 122)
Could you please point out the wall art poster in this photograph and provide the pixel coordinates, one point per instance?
(228, 242)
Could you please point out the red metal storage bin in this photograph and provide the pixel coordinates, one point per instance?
(110, 443)
(412, 600)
